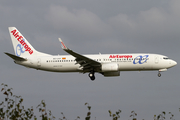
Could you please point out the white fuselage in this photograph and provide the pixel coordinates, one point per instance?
(105, 64)
(126, 62)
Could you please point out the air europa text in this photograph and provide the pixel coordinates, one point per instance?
(120, 56)
(20, 39)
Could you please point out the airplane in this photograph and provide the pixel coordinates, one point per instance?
(108, 65)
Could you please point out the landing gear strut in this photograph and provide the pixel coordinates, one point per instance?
(91, 75)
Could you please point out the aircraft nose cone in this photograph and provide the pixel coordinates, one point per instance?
(174, 63)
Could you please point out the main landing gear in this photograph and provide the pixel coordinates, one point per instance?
(91, 75)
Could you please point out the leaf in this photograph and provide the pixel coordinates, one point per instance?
(11, 106)
(89, 107)
(43, 110)
(5, 93)
(6, 99)
(44, 105)
(89, 113)
(164, 113)
(110, 113)
(11, 93)
(2, 103)
(20, 110)
(38, 106)
(88, 118)
(8, 90)
(2, 89)
(117, 113)
(50, 112)
(26, 113)
(40, 109)
(1, 110)
(21, 100)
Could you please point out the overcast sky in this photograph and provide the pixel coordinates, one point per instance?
(90, 27)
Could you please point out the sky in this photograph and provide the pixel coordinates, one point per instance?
(90, 27)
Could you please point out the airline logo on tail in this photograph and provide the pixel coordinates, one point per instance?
(22, 44)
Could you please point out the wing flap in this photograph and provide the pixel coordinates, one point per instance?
(16, 58)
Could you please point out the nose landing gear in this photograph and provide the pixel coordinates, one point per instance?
(159, 74)
(91, 75)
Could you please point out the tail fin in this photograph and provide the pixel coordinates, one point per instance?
(21, 46)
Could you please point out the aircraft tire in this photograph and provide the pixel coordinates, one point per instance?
(91, 75)
(92, 78)
(159, 74)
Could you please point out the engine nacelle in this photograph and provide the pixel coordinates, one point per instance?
(110, 67)
(110, 74)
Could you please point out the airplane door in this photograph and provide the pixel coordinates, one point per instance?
(39, 62)
(156, 60)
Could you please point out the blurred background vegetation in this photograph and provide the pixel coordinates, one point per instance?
(12, 109)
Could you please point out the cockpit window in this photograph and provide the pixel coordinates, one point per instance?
(166, 58)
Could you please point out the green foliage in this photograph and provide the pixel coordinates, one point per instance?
(42, 109)
(88, 117)
(171, 116)
(114, 116)
(162, 116)
(133, 115)
(12, 108)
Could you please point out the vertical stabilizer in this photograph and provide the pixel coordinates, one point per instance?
(21, 46)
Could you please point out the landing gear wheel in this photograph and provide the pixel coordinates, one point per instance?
(159, 74)
(91, 75)
(92, 78)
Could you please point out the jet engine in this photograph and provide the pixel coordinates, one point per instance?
(111, 74)
(110, 67)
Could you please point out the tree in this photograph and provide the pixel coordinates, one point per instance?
(12, 108)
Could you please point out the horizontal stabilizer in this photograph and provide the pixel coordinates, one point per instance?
(16, 58)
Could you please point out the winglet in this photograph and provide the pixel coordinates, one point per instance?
(62, 44)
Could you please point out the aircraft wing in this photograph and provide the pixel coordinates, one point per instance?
(87, 64)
